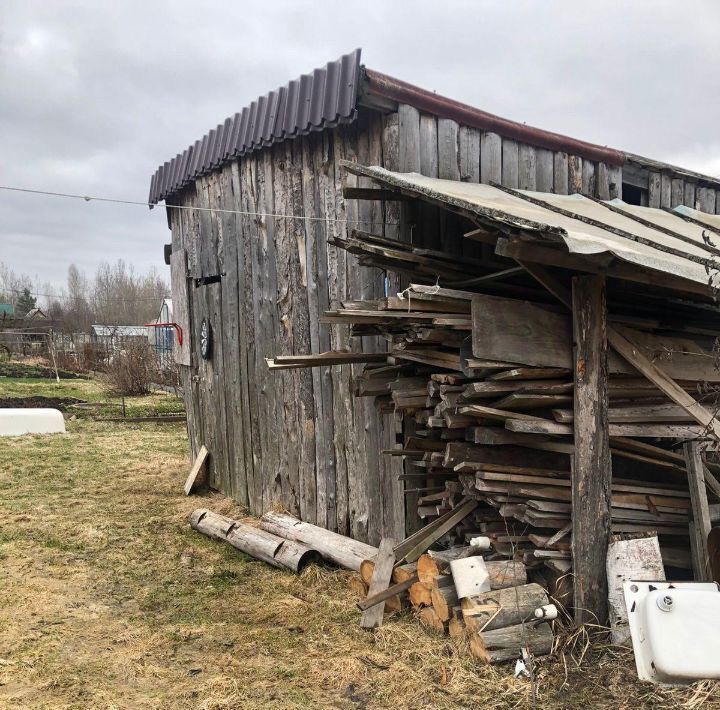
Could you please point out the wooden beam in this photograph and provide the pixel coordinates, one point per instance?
(701, 523)
(198, 472)
(382, 573)
(663, 382)
(592, 471)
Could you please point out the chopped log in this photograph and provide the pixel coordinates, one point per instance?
(366, 571)
(444, 599)
(373, 615)
(404, 572)
(198, 472)
(504, 607)
(420, 594)
(343, 551)
(284, 554)
(506, 644)
(358, 587)
(456, 628)
(431, 620)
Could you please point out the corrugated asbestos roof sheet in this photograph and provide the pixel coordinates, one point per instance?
(653, 239)
(313, 102)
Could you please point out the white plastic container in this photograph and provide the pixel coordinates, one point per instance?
(17, 422)
(674, 628)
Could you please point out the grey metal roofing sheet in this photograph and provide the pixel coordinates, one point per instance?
(685, 254)
(312, 102)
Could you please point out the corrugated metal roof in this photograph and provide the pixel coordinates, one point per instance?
(313, 102)
(650, 238)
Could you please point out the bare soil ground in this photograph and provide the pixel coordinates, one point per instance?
(109, 600)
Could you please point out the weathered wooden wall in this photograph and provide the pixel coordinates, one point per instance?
(299, 438)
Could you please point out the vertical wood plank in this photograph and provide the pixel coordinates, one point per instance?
(602, 185)
(409, 135)
(701, 524)
(249, 269)
(710, 199)
(245, 334)
(448, 154)
(677, 192)
(332, 207)
(560, 173)
(229, 227)
(544, 169)
(469, 141)
(689, 194)
(665, 190)
(527, 167)
(510, 163)
(575, 167)
(589, 186)
(591, 471)
(654, 190)
(614, 182)
(490, 158)
(428, 145)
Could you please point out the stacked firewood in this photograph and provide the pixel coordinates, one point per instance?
(496, 425)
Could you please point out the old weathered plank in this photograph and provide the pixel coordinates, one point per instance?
(527, 167)
(544, 170)
(603, 181)
(448, 154)
(490, 158)
(382, 573)
(409, 135)
(179, 279)
(701, 523)
(614, 182)
(654, 190)
(575, 169)
(510, 163)
(560, 173)
(665, 190)
(589, 186)
(428, 145)
(592, 473)
(469, 142)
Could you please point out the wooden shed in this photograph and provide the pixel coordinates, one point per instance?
(281, 240)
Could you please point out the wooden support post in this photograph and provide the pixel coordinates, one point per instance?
(701, 524)
(592, 473)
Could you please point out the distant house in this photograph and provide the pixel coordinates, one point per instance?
(114, 337)
(35, 314)
(7, 310)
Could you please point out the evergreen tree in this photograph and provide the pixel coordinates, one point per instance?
(25, 303)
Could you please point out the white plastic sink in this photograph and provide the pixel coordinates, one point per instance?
(17, 422)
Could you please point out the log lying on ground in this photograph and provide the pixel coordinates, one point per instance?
(276, 551)
(343, 551)
(505, 644)
(503, 607)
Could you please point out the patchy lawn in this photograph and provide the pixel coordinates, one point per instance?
(110, 600)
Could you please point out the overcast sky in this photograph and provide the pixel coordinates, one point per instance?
(94, 95)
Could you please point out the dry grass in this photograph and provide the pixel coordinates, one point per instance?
(109, 600)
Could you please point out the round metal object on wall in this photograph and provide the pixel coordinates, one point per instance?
(205, 339)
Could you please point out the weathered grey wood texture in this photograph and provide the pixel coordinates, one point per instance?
(298, 437)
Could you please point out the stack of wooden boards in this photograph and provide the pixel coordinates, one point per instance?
(480, 369)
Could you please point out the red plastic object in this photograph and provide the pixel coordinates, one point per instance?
(178, 329)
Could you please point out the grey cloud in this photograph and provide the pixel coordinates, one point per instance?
(94, 95)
